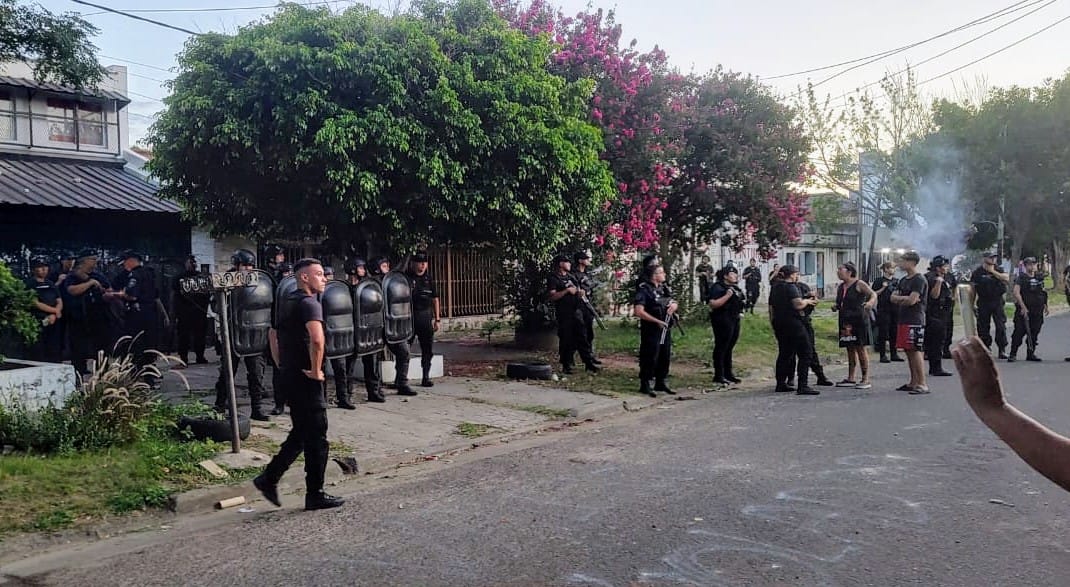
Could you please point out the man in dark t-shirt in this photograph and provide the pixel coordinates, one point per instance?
(298, 348)
(911, 298)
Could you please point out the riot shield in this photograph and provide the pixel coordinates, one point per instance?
(283, 307)
(338, 320)
(397, 314)
(368, 316)
(250, 316)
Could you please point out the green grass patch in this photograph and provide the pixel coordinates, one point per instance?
(553, 413)
(474, 430)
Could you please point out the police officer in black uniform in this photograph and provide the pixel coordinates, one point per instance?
(726, 302)
(136, 287)
(565, 293)
(85, 293)
(399, 350)
(952, 282)
(47, 310)
(298, 348)
(752, 278)
(582, 273)
(807, 294)
(357, 271)
(426, 311)
(244, 260)
(655, 308)
(887, 313)
(1031, 305)
(191, 315)
(786, 310)
(990, 284)
(937, 314)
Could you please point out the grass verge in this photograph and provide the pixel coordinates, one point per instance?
(474, 430)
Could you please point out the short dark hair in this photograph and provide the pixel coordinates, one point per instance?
(850, 267)
(306, 262)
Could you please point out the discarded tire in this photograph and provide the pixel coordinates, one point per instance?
(529, 370)
(209, 429)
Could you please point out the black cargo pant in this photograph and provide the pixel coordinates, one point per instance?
(935, 331)
(254, 367)
(815, 360)
(1036, 321)
(49, 345)
(372, 376)
(424, 331)
(794, 353)
(308, 411)
(571, 339)
(725, 336)
(752, 297)
(887, 324)
(992, 314)
(654, 357)
(401, 362)
(192, 328)
(88, 336)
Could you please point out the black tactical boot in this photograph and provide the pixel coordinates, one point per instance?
(404, 389)
(664, 387)
(936, 368)
(645, 389)
(345, 400)
(322, 501)
(426, 381)
(895, 358)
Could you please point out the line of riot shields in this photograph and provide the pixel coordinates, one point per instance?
(357, 319)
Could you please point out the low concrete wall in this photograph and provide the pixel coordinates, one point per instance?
(37, 384)
(415, 370)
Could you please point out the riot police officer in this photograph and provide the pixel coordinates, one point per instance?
(191, 315)
(85, 294)
(426, 311)
(565, 294)
(726, 302)
(655, 308)
(244, 260)
(399, 350)
(937, 314)
(356, 271)
(136, 287)
(582, 273)
(990, 284)
(1031, 302)
(47, 310)
(887, 313)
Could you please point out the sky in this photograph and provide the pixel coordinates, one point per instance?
(765, 38)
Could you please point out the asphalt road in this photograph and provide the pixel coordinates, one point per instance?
(850, 488)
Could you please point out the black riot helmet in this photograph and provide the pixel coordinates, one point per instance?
(243, 257)
(352, 264)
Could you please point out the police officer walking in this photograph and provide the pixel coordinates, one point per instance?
(582, 273)
(786, 309)
(565, 294)
(298, 348)
(243, 260)
(47, 311)
(726, 304)
(191, 315)
(655, 308)
(426, 311)
(1031, 306)
(937, 315)
(887, 313)
(752, 276)
(990, 284)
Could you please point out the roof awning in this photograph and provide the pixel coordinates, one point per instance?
(64, 183)
(85, 93)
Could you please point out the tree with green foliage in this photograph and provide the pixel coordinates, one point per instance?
(441, 124)
(1015, 151)
(17, 324)
(58, 46)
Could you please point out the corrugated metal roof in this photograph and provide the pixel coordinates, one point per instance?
(65, 183)
(61, 89)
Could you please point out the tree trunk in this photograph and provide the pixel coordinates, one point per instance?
(1058, 261)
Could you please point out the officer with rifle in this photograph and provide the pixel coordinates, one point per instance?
(567, 298)
(1031, 300)
(582, 273)
(656, 310)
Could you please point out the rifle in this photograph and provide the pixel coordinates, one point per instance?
(590, 308)
(673, 319)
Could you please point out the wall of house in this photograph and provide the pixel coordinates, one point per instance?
(25, 130)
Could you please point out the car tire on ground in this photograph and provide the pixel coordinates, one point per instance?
(210, 429)
(529, 370)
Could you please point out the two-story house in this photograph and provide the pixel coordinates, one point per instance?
(64, 185)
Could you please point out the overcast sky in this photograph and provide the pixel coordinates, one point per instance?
(762, 37)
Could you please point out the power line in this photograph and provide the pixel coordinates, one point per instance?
(955, 48)
(147, 77)
(133, 93)
(141, 18)
(987, 18)
(854, 67)
(157, 68)
(997, 51)
(218, 9)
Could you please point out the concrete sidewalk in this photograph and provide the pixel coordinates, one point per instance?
(402, 430)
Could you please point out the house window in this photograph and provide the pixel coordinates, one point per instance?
(808, 267)
(790, 260)
(841, 258)
(7, 117)
(64, 114)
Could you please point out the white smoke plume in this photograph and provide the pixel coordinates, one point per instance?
(941, 226)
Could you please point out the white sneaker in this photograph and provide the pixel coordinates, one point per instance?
(864, 385)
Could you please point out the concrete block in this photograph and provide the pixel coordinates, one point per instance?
(415, 370)
(36, 384)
